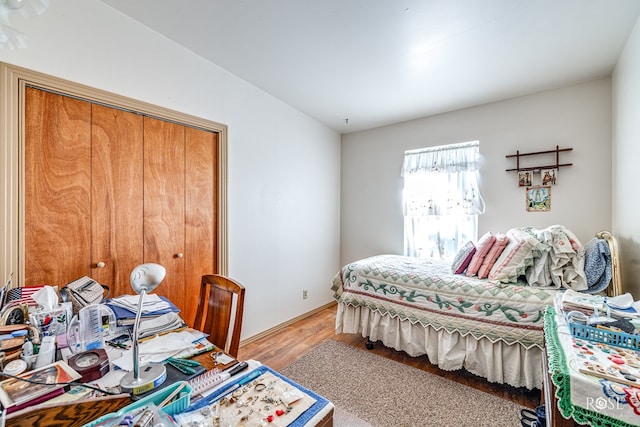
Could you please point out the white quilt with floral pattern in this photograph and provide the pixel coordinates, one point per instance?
(426, 292)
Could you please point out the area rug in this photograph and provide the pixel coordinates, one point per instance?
(368, 389)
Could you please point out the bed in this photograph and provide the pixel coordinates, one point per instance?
(492, 327)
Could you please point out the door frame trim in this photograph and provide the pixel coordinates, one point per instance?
(13, 81)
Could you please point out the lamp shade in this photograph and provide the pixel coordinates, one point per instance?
(147, 277)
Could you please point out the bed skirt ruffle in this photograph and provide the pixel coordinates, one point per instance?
(497, 362)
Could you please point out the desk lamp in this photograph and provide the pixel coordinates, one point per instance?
(144, 278)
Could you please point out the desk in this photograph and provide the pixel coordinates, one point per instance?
(573, 397)
(81, 412)
(309, 409)
(324, 417)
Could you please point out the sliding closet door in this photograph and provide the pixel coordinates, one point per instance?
(117, 198)
(57, 199)
(200, 212)
(164, 186)
(107, 188)
(180, 208)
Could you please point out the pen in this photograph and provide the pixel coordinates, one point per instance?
(117, 345)
(226, 390)
(238, 368)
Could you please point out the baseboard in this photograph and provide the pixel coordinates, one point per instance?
(285, 324)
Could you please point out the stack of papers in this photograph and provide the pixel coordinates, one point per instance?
(152, 303)
(160, 325)
(125, 307)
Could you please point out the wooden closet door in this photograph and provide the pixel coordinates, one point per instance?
(57, 195)
(200, 214)
(164, 217)
(117, 197)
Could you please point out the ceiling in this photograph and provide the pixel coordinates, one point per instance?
(360, 64)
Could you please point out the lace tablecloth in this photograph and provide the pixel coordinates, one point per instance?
(587, 399)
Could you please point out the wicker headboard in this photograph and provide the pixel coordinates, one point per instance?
(615, 288)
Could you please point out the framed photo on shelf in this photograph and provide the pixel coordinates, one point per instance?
(549, 176)
(524, 178)
(538, 198)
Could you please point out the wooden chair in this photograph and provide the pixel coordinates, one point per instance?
(220, 309)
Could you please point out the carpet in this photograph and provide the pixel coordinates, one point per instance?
(370, 390)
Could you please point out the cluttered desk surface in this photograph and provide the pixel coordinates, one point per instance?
(199, 382)
(594, 365)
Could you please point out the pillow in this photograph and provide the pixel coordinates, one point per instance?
(515, 258)
(482, 249)
(463, 258)
(496, 250)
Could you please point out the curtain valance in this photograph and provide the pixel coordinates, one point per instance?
(463, 157)
(443, 181)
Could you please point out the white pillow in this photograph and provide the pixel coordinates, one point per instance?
(516, 256)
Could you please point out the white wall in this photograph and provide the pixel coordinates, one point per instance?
(284, 176)
(577, 116)
(626, 155)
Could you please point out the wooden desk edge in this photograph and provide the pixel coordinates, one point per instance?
(327, 420)
(74, 413)
(80, 412)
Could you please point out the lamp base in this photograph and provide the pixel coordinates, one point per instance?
(150, 377)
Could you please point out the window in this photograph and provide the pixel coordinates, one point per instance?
(441, 199)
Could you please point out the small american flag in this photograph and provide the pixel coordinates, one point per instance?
(22, 295)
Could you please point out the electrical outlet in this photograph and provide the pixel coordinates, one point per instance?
(304, 294)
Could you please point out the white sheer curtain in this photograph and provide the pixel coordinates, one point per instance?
(441, 199)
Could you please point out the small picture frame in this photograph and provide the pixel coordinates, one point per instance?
(549, 176)
(524, 178)
(538, 198)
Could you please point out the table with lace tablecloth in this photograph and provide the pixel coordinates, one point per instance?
(585, 399)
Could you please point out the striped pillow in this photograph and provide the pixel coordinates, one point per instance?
(496, 250)
(482, 249)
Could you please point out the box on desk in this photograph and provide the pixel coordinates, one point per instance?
(176, 398)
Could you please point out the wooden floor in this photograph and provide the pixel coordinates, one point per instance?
(284, 346)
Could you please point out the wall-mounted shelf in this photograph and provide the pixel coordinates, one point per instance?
(557, 165)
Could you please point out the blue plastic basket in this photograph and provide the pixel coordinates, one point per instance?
(605, 336)
(177, 406)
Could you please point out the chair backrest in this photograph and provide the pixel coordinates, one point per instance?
(220, 309)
